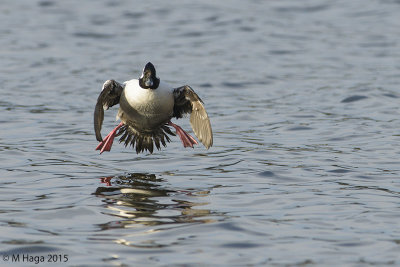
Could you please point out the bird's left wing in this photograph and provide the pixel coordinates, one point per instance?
(187, 101)
(108, 97)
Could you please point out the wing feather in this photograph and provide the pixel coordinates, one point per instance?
(109, 96)
(187, 101)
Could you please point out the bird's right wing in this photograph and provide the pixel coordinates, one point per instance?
(108, 97)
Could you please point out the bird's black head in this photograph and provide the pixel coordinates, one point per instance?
(148, 79)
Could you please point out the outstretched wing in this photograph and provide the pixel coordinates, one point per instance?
(187, 101)
(108, 97)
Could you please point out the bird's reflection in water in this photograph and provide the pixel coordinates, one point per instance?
(143, 199)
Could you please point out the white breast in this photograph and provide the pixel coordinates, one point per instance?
(147, 106)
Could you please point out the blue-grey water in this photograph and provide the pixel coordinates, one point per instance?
(304, 102)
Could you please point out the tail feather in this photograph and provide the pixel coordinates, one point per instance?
(123, 137)
(142, 141)
(157, 143)
(128, 140)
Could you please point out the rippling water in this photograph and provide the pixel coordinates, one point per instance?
(303, 99)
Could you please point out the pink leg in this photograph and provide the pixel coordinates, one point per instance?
(186, 138)
(107, 142)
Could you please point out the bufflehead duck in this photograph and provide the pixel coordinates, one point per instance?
(146, 107)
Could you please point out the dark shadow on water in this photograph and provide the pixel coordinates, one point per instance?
(139, 198)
